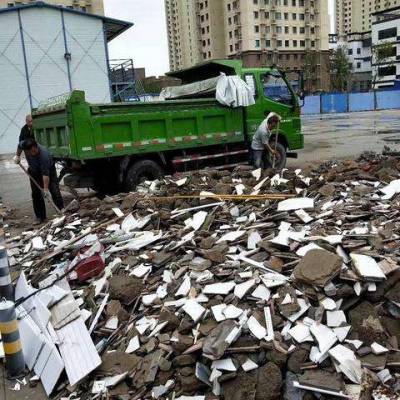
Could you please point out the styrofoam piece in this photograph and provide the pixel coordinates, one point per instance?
(367, 267)
(342, 332)
(112, 323)
(219, 288)
(133, 345)
(335, 318)
(262, 293)
(243, 288)
(304, 306)
(194, 310)
(253, 239)
(324, 336)
(299, 203)
(301, 333)
(249, 365)
(270, 327)
(218, 312)
(256, 328)
(328, 304)
(378, 349)
(231, 236)
(197, 220)
(184, 288)
(224, 365)
(321, 390)
(141, 271)
(232, 312)
(303, 216)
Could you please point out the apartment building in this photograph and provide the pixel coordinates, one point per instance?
(386, 30)
(260, 32)
(356, 15)
(91, 6)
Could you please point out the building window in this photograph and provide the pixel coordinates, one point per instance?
(294, 3)
(287, 43)
(302, 43)
(268, 43)
(350, 52)
(286, 29)
(312, 30)
(267, 14)
(257, 43)
(278, 29)
(358, 65)
(278, 15)
(255, 14)
(256, 29)
(286, 16)
(387, 71)
(312, 43)
(387, 33)
(358, 51)
(279, 43)
(230, 35)
(287, 56)
(301, 17)
(302, 30)
(294, 16)
(294, 30)
(255, 1)
(231, 48)
(294, 43)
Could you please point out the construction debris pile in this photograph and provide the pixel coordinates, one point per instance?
(171, 292)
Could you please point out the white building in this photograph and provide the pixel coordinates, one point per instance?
(386, 29)
(359, 53)
(45, 51)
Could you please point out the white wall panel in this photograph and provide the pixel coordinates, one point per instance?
(88, 64)
(47, 67)
(14, 104)
(44, 43)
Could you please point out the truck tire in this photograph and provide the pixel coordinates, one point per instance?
(140, 171)
(281, 159)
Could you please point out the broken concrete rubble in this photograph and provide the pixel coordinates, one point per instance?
(293, 299)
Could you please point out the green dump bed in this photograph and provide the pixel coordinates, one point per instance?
(74, 129)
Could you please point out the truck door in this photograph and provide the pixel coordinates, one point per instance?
(272, 94)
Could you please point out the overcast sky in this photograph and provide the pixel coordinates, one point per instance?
(146, 42)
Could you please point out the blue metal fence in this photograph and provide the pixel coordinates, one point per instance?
(351, 102)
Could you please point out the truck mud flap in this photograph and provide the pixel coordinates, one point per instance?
(292, 155)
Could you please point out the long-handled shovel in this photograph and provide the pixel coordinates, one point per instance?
(276, 143)
(40, 188)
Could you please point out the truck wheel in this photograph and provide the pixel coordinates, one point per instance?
(144, 170)
(280, 161)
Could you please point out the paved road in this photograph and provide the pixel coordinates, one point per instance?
(326, 137)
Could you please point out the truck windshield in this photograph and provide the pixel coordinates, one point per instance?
(276, 88)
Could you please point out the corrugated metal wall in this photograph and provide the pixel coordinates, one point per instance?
(43, 36)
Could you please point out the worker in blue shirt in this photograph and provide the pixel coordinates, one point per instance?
(42, 169)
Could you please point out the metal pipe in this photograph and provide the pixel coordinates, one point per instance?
(21, 31)
(67, 54)
(15, 364)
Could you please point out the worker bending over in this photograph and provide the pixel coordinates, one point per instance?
(261, 138)
(42, 169)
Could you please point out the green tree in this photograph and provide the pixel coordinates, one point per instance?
(309, 70)
(340, 69)
(382, 56)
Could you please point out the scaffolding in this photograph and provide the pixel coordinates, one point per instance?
(125, 85)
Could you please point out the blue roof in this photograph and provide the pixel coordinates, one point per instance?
(113, 27)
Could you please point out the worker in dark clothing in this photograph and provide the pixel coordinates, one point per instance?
(42, 169)
(26, 133)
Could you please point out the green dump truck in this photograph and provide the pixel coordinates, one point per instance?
(116, 146)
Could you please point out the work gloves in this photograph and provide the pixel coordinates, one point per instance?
(46, 194)
(17, 159)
